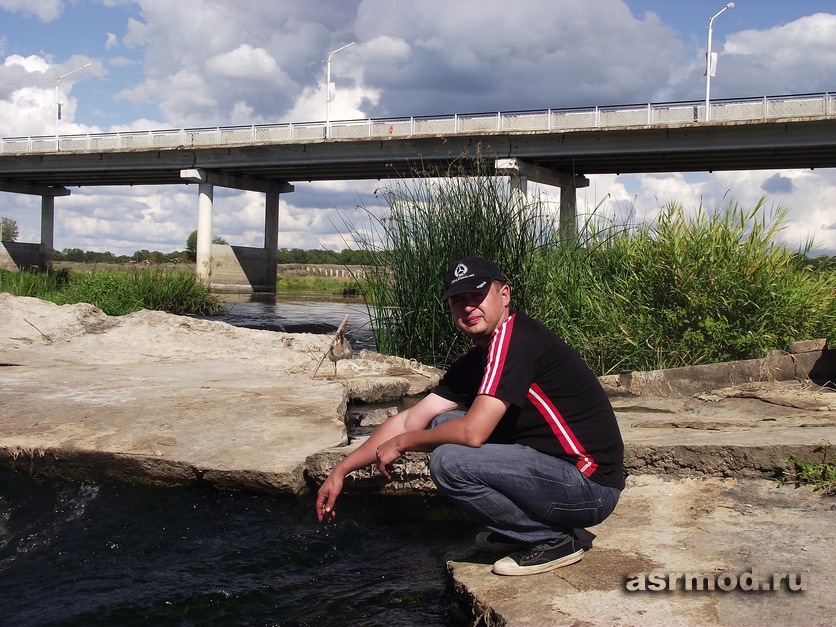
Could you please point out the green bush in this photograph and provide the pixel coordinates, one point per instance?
(685, 291)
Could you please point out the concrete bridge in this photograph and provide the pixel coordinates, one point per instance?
(551, 146)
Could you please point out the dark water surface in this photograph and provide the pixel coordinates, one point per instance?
(292, 314)
(83, 554)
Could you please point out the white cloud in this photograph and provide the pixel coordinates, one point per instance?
(243, 62)
(44, 10)
(197, 63)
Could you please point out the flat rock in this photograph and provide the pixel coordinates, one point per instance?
(174, 400)
(701, 526)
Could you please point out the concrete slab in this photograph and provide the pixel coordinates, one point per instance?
(710, 528)
(174, 400)
(226, 424)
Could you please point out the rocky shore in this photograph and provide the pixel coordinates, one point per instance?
(172, 400)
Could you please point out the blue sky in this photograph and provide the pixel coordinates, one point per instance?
(195, 63)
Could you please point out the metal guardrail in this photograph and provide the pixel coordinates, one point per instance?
(767, 108)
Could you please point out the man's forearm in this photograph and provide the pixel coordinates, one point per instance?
(366, 453)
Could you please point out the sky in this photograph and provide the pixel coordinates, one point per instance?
(158, 64)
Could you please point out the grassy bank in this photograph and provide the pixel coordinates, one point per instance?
(117, 291)
(298, 278)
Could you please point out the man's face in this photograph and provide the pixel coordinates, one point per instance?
(478, 314)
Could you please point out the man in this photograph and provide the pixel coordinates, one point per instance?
(538, 454)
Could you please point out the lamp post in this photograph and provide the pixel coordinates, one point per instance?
(709, 65)
(57, 104)
(329, 88)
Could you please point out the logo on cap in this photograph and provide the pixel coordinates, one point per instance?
(460, 270)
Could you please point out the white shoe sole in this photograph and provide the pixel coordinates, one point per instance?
(507, 566)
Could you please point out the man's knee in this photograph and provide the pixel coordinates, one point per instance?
(440, 463)
(446, 416)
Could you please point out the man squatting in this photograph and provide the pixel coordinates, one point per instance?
(537, 456)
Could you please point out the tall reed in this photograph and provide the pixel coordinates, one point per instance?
(680, 290)
(431, 222)
(34, 284)
(685, 290)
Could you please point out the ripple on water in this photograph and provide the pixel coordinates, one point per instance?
(75, 553)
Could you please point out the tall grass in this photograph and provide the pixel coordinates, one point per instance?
(118, 292)
(681, 290)
(34, 284)
(685, 290)
(430, 223)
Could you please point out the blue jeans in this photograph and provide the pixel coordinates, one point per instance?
(527, 496)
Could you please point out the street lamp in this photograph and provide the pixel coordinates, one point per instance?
(329, 87)
(57, 104)
(711, 63)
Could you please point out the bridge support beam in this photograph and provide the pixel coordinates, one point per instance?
(203, 249)
(14, 255)
(48, 222)
(521, 172)
(236, 268)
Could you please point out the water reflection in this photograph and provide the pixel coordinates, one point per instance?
(300, 312)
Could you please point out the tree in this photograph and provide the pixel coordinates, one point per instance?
(191, 244)
(10, 231)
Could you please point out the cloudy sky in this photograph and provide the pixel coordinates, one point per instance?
(159, 64)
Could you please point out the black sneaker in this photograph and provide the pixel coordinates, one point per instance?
(495, 543)
(534, 561)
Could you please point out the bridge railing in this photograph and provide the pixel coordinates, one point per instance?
(767, 108)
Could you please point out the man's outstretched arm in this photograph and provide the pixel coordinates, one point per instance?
(472, 429)
(415, 418)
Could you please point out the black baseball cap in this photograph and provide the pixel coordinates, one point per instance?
(471, 274)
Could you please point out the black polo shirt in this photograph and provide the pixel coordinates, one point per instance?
(557, 406)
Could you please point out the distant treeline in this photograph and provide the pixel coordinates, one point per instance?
(289, 255)
(294, 255)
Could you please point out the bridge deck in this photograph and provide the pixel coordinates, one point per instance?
(763, 133)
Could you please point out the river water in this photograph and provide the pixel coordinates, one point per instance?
(74, 553)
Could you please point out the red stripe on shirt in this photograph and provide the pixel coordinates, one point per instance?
(568, 440)
(497, 352)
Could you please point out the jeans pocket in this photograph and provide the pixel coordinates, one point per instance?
(584, 513)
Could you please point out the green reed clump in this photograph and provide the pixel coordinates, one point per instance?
(118, 292)
(431, 222)
(175, 292)
(34, 284)
(684, 291)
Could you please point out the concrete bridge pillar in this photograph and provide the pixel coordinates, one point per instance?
(520, 172)
(236, 268)
(203, 249)
(48, 223)
(271, 235)
(15, 255)
(568, 222)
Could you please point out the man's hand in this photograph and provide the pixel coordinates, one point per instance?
(327, 496)
(387, 453)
